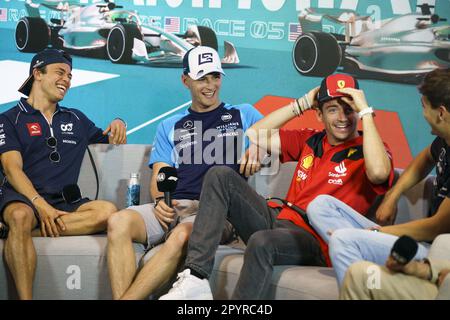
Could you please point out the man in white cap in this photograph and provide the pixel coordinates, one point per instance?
(41, 150)
(209, 133)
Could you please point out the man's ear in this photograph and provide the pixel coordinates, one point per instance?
(184, 80)
(36, 73)
(319, 114)
(443, 112)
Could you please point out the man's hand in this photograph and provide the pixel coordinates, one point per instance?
(414, 268)
(165, 214)
(312, 97)
(118, 132)
(442, 275)
(250, 161)
(387, 211)
(50, 218)
(355, 98)
(394, 266)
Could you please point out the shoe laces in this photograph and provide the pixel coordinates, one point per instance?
(180, 279)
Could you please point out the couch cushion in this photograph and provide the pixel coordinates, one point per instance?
(288, 282)
(67, 268)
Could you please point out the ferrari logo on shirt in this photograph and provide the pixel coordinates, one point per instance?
(34, 129)
(350, 152)
(307, 162)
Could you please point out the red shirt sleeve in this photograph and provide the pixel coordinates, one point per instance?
(292, 143)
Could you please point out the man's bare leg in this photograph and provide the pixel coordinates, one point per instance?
(162, 266)
(89, 218)
(20, 254)
(124, 227)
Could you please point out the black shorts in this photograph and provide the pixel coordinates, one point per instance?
(8, 195)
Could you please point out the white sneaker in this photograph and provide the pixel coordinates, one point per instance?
(189, 287)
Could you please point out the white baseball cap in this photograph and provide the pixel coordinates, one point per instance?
(201, 61)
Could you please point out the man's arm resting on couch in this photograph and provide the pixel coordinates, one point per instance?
(426, 229)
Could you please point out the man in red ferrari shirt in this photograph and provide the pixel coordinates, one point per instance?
(340, 161)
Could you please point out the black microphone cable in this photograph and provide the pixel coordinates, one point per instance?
(301, 212)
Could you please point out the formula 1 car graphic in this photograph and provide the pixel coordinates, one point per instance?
(106, 30)
(402, 49)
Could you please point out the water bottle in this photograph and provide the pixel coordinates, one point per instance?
(134, 190)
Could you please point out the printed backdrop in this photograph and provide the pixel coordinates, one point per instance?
(264, 33)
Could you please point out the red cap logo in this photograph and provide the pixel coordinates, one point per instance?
(34, 129)
(339, 81)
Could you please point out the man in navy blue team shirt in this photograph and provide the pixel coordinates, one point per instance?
(42, 145)
(209, 133)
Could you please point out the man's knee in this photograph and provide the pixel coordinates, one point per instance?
(104, 210)
(119, 225)
(260, 243)
(320, 203)
(108, 207)
(19, 216)
(179, 237)
(218, 173)
(340, 239)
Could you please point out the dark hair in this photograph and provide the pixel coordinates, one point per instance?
(338, 101)
(436, 87)
(42, 69)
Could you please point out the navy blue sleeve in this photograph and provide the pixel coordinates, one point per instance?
(94, 133)
(9, 139)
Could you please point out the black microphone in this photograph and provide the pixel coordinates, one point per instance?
(404, 249)
(166, 181)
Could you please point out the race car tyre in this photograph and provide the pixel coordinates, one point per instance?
(119, 44)
(208, 37)
(316, 54)
(32, 34)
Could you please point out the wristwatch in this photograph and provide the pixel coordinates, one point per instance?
(362, 113)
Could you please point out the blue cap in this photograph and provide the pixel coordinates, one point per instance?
(41, 59)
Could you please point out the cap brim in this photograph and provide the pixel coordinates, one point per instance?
(25, 88)
(205, 72)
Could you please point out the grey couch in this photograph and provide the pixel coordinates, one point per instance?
(75, 267)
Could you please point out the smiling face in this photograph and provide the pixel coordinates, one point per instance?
(54, 81)
(340, 121)
(204, 91)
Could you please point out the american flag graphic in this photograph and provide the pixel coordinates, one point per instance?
(172, 24)
(3, 14)
(295, 29)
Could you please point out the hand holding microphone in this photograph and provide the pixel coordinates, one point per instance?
(400, 260)
(402, 252)
(166, 182)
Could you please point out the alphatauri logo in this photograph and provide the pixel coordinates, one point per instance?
(66, 127)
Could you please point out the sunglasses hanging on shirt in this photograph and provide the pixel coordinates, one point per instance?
(52, 143)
